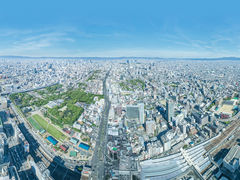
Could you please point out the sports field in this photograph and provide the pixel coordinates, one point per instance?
(34, 123)
(49, 128)
(226, 109)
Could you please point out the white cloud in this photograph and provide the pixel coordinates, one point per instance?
(26, 42)
(51, 42)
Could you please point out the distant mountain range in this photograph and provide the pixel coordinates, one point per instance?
(130, 58)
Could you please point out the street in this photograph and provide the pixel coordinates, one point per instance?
(98, 160)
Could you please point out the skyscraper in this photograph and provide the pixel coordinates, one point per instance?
(132, 112)
(136, 112)
(141, 113)
(170, 110)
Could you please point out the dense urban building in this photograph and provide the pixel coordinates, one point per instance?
(143, 113)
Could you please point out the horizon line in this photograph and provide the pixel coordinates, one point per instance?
(114, 57)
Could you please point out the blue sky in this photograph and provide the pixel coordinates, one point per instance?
(163, 28)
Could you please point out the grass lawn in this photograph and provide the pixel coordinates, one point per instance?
(34, 123)
(49, 128)
(227, 122)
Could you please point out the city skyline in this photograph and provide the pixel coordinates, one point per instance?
(121, 119)
(116, 90)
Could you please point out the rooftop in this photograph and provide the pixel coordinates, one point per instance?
(73, 153)
(132, 112)
(233, 154)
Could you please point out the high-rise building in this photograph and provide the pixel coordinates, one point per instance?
(150, 127)
(170, 110)
(118, 110)
(3, 103)
(136, 112)
(183, 128)
(208, 131)
(141, 113)
(201, 119)
(231, 160)
(132, 112)
(166, 143)
(2, 144)
(1, 126)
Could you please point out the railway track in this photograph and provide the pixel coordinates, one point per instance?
(224, 135)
